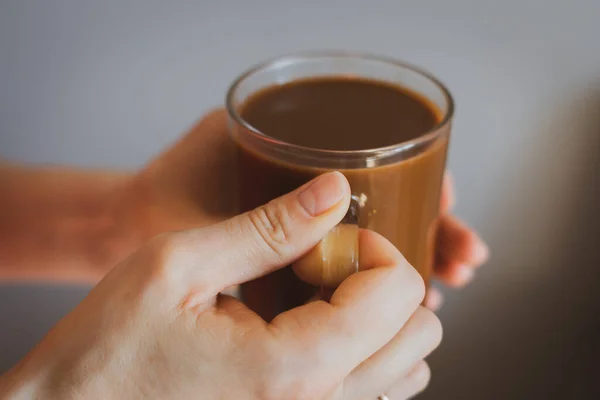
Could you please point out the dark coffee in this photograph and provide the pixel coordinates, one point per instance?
(339, 113)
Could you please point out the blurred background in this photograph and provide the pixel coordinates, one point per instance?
(111, 83)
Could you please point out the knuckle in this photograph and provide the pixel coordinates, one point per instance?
(420, 376)
(431, 326)
(163, 249)
(150, 271)
(271, 223)
(160, 255)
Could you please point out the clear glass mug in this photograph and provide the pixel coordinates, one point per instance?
(396, 189)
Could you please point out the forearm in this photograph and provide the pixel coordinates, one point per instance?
(61, 224)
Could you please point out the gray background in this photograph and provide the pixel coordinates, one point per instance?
(110, 83)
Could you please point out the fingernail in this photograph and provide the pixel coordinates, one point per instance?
(464, 275)
(323, 193)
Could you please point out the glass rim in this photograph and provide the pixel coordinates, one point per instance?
(315, 55)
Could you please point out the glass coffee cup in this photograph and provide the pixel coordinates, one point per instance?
(395, 188)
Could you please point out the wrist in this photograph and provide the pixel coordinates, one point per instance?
(104, 230)
(63, 224)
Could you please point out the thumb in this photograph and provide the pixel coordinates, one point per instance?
(267, 238)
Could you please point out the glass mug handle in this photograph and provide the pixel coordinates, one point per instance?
(336, 256)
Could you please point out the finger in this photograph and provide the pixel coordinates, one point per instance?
(419, 337)
(260, 241)
(411, 384)
(456, 242)
(238, 312)
(455, 274)
(368, 259)
(434, 299)
(448, 198)
(375, 251)
(364, 313)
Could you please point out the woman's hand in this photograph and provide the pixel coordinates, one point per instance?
(459, 250)
(157, 327)
(191, 185)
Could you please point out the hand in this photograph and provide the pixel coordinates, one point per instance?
(459, 250)
(190, 185)
(157, 327)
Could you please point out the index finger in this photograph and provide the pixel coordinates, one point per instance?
(364, 313)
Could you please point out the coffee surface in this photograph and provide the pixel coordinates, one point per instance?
(402, 199)
(339, 113)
